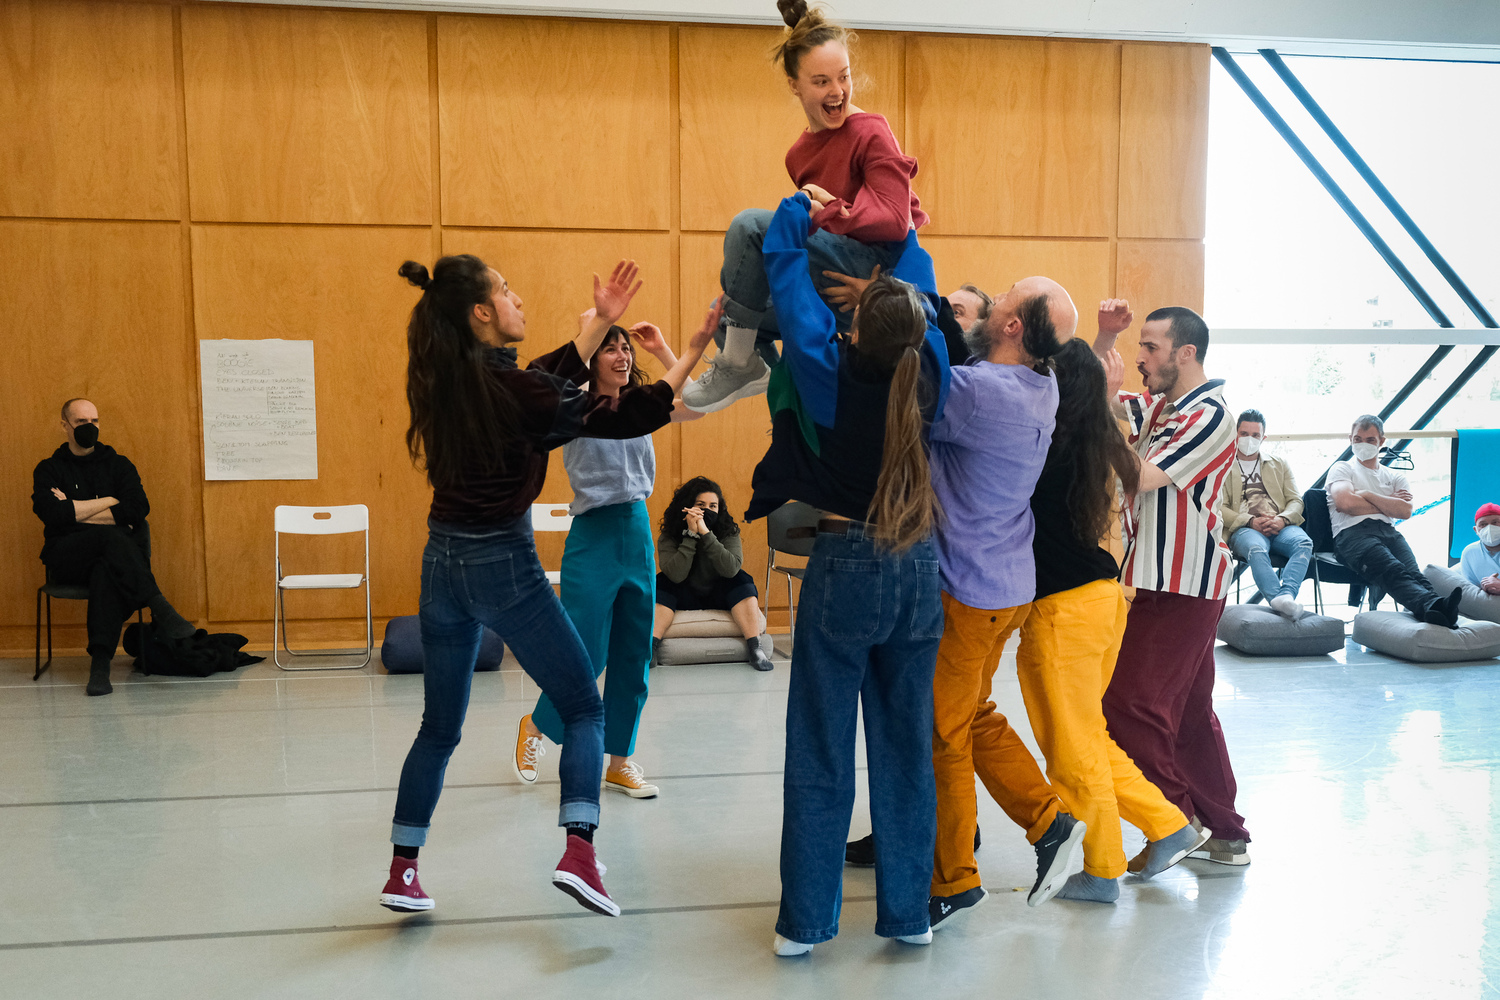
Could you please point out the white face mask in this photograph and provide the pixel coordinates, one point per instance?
(1249, 445)
(1364, 451)
(1490, 535)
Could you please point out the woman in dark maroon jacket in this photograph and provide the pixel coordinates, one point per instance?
(483, 428)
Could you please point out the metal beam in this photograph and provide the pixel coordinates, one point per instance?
(1406, 390)
(1381, 191)
(1453, 390)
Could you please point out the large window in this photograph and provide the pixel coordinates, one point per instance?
(1282, 255)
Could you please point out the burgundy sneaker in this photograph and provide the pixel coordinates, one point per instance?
(580, 875)
(403, 893)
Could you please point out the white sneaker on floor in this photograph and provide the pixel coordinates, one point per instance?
(789, 949)
(923, 938)
(724, 383)
(1283, 605)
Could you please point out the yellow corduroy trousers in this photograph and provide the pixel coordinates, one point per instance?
(1067, 655)
(970, 737)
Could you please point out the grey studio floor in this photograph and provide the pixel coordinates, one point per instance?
(227, 838)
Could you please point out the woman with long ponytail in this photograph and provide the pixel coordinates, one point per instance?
(483, 427)
(849, 418)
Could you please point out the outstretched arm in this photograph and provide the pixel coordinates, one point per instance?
(809, 338)
(678, 374)
(611, 299)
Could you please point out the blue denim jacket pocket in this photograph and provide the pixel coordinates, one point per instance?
(488, 581)
(927, 600)
(852, 589)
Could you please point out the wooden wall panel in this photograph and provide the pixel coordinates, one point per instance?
(734, 138)
(1080, 266)
(338, 288)
(1015, 137)
(88, 98)
(307, 116)
(554, 123)
(1163, 140)
(1152, 274)
(118, 337)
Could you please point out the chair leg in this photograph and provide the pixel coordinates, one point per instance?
(39, 665)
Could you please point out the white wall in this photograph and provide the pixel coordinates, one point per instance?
(1423, 29)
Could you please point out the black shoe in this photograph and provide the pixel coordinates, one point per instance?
(1054, 856)
(758, 658)
(99, 679)
(860, 853)
(948, 911)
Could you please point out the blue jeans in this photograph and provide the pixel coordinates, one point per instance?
(868, 626)
(479, 576)
(1291, 543)
(748, 292)
(609, 592)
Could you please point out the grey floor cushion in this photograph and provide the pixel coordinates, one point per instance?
(1399, 634)
(704, 637)
(401, 652)
(1259, 631)
(1474, 603)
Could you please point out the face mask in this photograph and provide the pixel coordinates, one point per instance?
(710, 518)
(1490, 535)
(1249, 444)
(1364, 451)
(87, 435)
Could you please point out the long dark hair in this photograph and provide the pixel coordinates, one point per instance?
(674, 521)
(1087, 433)
(637, 377)
(892, 327)
(461, 415)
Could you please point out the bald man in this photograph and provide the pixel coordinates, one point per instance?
(988, 449)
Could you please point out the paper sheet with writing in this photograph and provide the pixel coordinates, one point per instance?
(260, 419)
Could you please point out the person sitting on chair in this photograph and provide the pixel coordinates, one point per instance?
(1261, 511)
(90, 500)
(699, 553)
(1364, 498)
(1481, 559)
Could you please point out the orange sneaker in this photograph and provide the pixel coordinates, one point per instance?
(528, 750)
(630, 779)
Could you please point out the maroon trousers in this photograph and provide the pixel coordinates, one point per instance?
(1160, 710)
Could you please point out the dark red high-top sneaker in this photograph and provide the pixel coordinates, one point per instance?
(580, 875)
(403, 893)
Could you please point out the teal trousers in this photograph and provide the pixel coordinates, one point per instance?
(609, 590)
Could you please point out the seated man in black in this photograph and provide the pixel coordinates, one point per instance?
(90, 499)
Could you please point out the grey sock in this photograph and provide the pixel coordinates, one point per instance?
(1166, 852)
(163, 615)
(739, 344)
(1090, 888)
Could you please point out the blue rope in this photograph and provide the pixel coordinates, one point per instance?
(1422, 510)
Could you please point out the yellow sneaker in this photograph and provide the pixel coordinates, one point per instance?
(528, 750)
(630, 779)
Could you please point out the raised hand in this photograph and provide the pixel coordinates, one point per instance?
(847, 293)
(612, 298)
(585, 318)
(1115, 316)
(1114, 373)
(648, 335)
(705, 333)
(695, 520)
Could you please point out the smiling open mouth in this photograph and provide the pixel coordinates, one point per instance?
(834, 109)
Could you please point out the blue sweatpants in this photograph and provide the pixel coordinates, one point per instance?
(609, 590)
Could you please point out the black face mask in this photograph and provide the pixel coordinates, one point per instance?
(87, 435)
(710, 518)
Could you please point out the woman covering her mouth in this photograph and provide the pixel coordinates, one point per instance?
(849, 164)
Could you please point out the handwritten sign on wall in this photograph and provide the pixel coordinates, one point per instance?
(260, 418)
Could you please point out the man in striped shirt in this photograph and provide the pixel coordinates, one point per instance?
(1159, 704)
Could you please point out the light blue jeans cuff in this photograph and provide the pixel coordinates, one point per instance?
(408, 836)
(578, 811)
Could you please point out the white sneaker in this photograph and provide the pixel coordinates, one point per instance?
(923, 938)
(724, 383)
(789, 949)
(1286, 607)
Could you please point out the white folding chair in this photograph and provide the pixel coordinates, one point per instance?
(320, 521)
(551, 517)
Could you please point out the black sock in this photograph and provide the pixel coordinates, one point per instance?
(402, 851)
(752, 643)
(171, 623)
(1451, 604)
(584, 830)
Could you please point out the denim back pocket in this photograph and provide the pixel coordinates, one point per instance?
(429, 578)
(488, 581)
(927, 600)
(851, 598)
